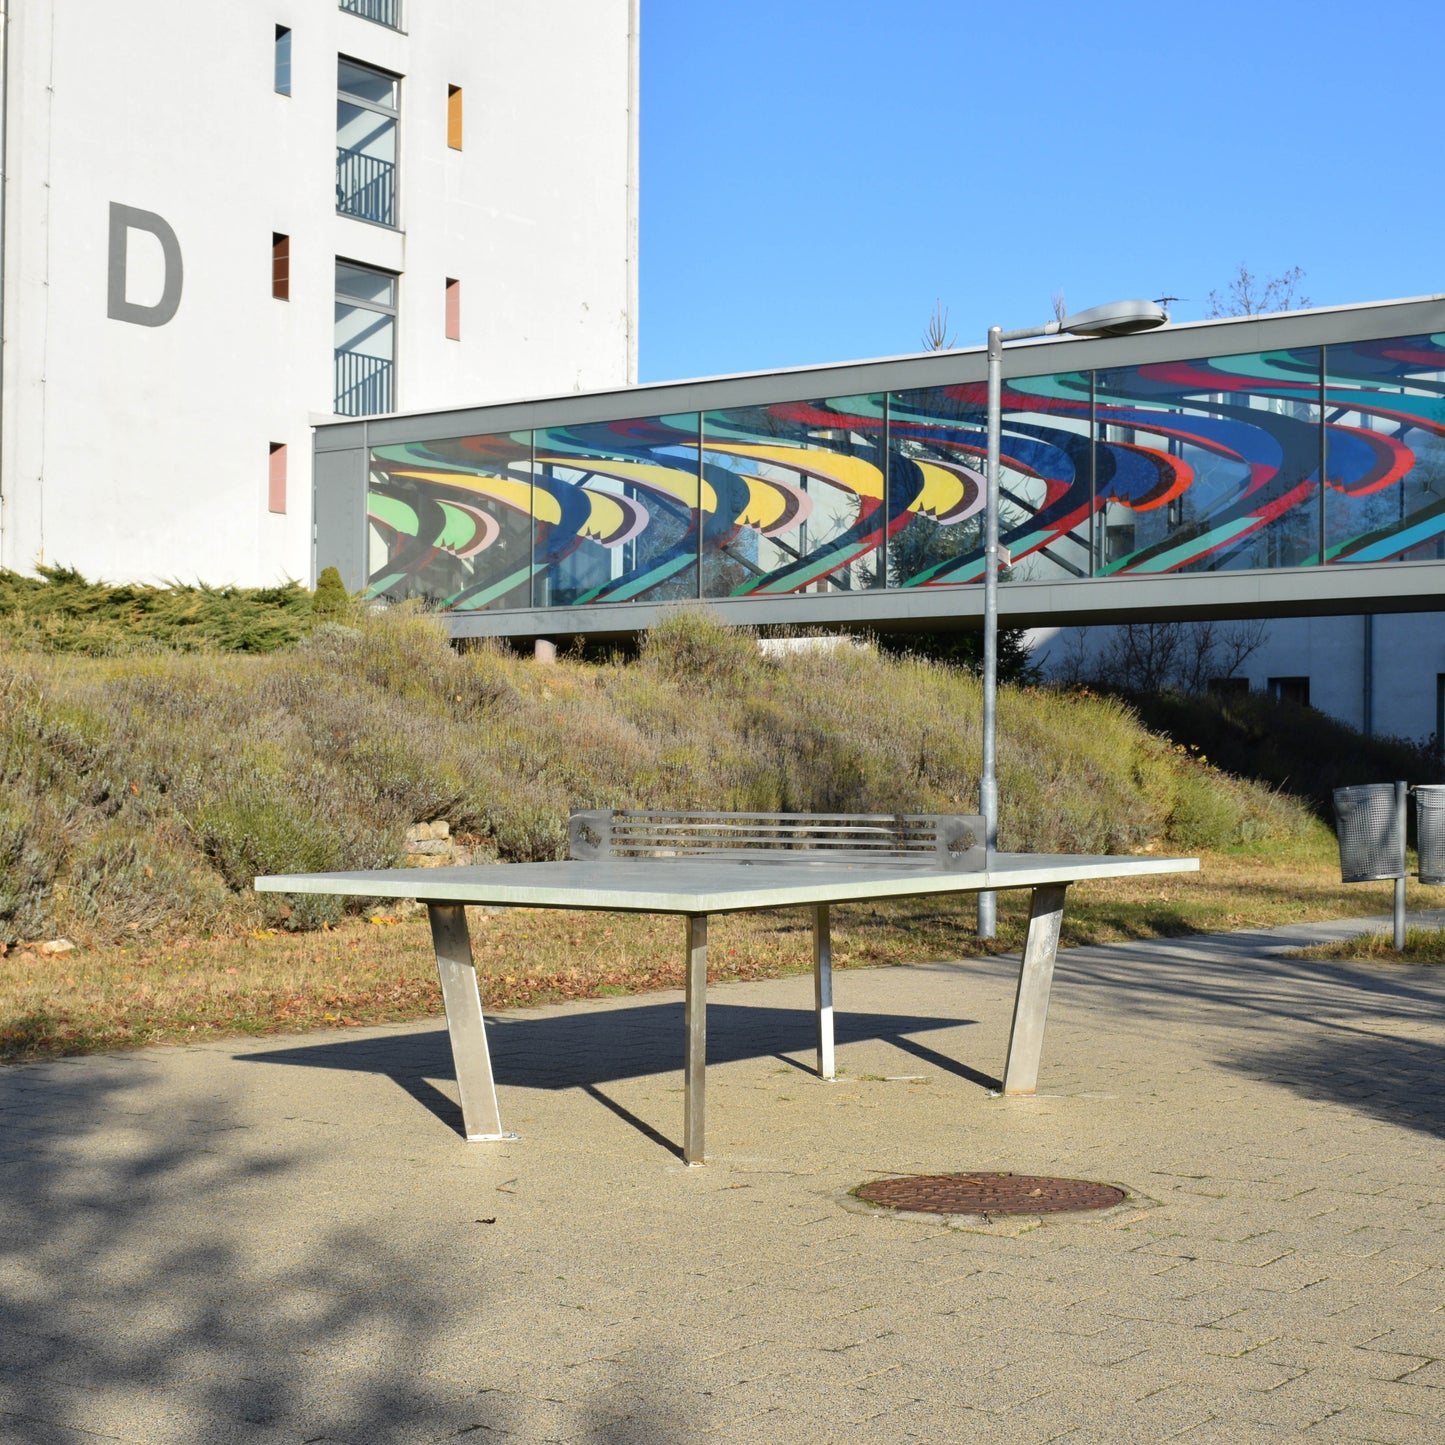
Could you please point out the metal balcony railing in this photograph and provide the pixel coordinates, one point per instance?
(384, 12)
(365, 187)
(363, 384)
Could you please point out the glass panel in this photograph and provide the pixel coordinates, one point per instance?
(1385, 450)
(365, 83)
(793, 497)
(364, 284)
(616, 512)
(365, 163)
(365, 342)
(1208, 465)
(938, 446)
(283, 60)
(451, 522)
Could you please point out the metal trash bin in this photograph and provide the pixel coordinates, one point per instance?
(1371, 832)
(1430, 831)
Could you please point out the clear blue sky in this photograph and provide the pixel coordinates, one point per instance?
(816, 172)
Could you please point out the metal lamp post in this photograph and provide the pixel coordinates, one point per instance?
(1121, 318)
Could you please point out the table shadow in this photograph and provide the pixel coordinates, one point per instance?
(587, 1050)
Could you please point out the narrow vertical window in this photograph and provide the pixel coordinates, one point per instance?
(276, 482)
(280, 266)
(283, 60)
(454, 117)
(454, 310)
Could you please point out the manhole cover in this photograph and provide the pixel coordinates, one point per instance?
(989, 1194)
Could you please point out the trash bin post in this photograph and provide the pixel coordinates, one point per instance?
(1370, 825)
(1402, 794)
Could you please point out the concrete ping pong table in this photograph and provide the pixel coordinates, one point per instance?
(696, 888)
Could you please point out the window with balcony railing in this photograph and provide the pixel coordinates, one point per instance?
(366, 142)
(365, 339)
(384, 12)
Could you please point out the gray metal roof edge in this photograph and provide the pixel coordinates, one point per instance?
(1339, 589)
(1357, 321)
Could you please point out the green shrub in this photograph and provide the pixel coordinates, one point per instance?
(331, 602)
(1204, 814)
(59, 611)
(692, 649)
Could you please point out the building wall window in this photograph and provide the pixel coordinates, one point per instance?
(366, 142)
(276, 481)
(454, 117)
(283, 60)
(454, 309)
(1440, 712)
(1228, 686)
(1290, 689)
(365, 339)
(280, 266)
(383, 12)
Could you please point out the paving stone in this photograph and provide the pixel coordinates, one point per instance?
(280, 1241)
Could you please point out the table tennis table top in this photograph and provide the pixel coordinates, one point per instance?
(697, 885)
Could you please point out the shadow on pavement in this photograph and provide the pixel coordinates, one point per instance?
(166, 1275)
(596, 1046)
(1367, 1036)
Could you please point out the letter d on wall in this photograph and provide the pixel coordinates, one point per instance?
(124, 220)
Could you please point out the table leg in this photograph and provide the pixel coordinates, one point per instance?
(823, 989)
(695, 1063)
(1031, 1006)
(465, 1026)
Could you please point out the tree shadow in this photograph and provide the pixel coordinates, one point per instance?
(1339, 1031)
(137, 1303)
(598, 1046)
(168, 1274)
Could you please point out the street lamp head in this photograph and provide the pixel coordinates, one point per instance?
(1118, 318)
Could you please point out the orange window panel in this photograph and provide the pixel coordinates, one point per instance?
(454, 117)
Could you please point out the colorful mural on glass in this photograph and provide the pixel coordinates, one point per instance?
(1181, 466)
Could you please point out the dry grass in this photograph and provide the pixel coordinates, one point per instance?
(1422, 945)
(145, 793)
(264, 981)
(140, 795)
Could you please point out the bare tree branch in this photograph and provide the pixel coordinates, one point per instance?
(1249, 295)
(1174, 656)
(937, 336)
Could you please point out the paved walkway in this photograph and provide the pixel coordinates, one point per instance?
(288, 1242)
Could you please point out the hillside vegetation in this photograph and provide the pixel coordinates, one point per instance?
(143, 792)
(59, 611)
(1297, 749)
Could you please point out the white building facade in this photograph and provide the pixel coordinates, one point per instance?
(222, 223)
(1382, 673)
